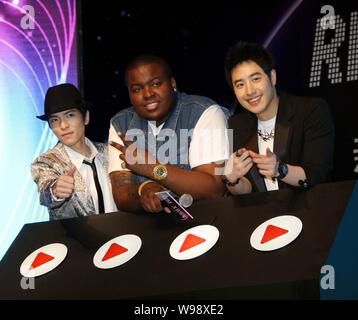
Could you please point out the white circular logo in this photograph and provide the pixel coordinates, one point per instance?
(43, 260)
(194, 242)
(276, 233)
(117, 251)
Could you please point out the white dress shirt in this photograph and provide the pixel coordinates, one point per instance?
(87, 175)
(267, 127)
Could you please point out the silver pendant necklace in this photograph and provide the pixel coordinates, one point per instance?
(266, 136)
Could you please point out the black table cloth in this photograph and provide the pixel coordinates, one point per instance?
(232, 269)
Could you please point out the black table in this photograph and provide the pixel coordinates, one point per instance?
(232, 269)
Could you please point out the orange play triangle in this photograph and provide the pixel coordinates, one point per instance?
(191, 241)
(113, 251)
(272, 232)
(40, 259)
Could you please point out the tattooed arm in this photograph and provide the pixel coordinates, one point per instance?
(126, 197)
(125, 191)
(125, 188)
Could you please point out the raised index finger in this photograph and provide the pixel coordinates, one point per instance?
(117, 146)
(255, 155)
(126, 142)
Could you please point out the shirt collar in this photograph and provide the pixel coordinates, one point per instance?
(154, 128)
(77, 158)
(267, 123)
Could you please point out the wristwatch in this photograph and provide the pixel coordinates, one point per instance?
(160, 172)
(282, 170)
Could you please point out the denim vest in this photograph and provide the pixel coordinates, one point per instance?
(172, 143)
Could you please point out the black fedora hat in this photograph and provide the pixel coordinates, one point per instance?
(62, 97)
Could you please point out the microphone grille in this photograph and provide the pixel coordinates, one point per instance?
(186, 200)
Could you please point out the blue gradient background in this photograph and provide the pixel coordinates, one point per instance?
(31, 60)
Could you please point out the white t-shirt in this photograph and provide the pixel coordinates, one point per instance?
(87, 175)
(267, 128)
(210, 142)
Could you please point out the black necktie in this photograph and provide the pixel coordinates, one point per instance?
(98, 186)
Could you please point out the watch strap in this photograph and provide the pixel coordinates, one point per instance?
(282, 170)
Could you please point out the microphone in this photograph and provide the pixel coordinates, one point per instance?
(185, 200)
(175, 205)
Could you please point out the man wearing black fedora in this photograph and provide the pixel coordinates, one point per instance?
(72, 178)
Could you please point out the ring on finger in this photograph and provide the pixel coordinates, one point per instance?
(238, 154)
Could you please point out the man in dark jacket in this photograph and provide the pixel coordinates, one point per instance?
(281, 140)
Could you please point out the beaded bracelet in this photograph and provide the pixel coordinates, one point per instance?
(226, 181)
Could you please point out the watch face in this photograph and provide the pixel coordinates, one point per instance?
(284, 169)
(160, 171)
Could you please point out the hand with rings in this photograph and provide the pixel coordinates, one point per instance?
(239, 164)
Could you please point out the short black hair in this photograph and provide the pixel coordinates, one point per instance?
(82, 109)
(245, 51)
(144, 59)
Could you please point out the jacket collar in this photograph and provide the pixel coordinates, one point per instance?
(60, 152)
(283, 125)
(282, 132)
(77, 158)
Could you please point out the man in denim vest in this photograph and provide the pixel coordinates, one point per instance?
(166, 141)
